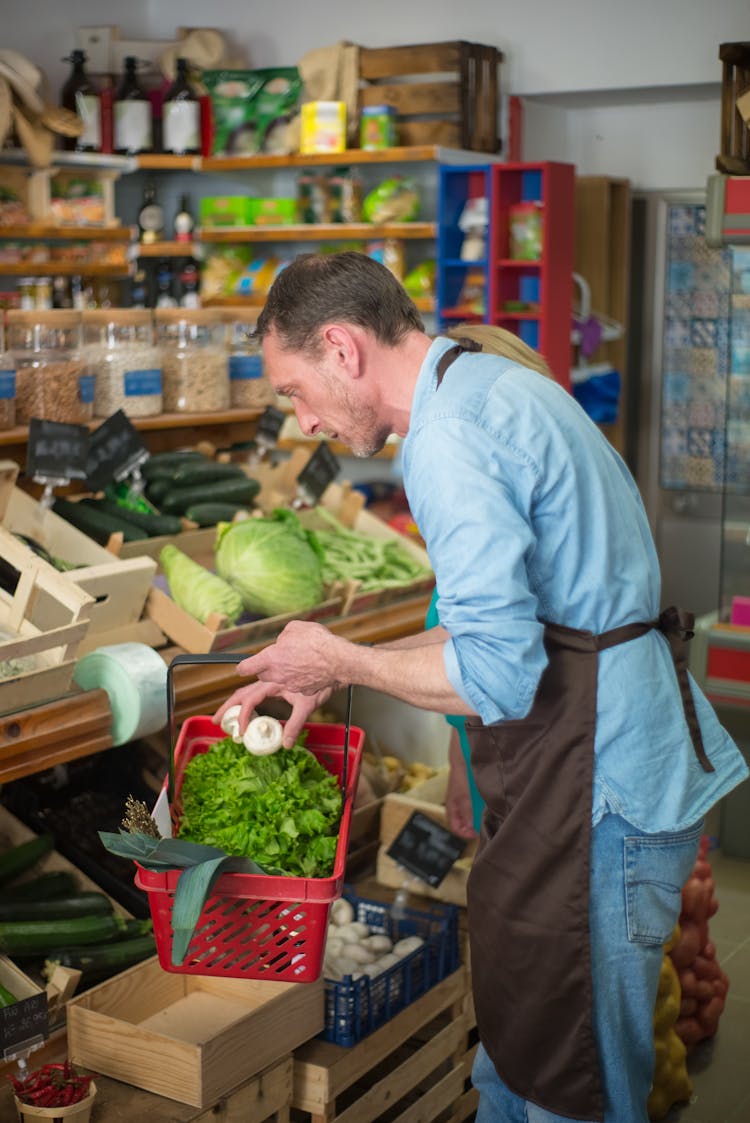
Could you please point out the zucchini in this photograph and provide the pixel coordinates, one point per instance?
(80, 904)
(161, 464)
(209, 514)
(104, 959)
(45, 887)
(24, 857)
(157, 489)
(97, 524)
(6, 998)
(154, 525)
(31, 938)
(191, 475)
(240, 490)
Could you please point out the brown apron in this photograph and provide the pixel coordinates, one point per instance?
(528, 890)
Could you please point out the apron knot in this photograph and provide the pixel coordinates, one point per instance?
(678, 622)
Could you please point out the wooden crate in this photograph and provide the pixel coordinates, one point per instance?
(415, 1061)
(262, 1099)
(45, 620)
(734, 157)
(119, 587)
(456, 106)
(398, 807)
(187, 1037)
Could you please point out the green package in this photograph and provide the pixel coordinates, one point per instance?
(252, 109)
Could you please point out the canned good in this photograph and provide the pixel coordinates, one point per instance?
(377, 127)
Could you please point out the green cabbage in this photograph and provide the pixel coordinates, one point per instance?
(196, 589)
(271, 564)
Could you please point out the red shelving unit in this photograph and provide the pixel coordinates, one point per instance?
(534, 298)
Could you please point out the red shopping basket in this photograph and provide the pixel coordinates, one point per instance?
(255, 926)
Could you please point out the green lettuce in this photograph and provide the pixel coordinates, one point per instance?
(280, 810)
(270, 562)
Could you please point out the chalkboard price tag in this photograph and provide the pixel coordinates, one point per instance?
(320, 470)
(269, 427)
(23, 1022)
(426, 848)
(115, 450)
(56, 451)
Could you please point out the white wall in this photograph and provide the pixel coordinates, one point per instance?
(660, 128)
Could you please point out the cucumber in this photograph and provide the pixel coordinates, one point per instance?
(104, 959)
(209, 514)
(31, 938)
(161, 464)
(80, 904)
(97, 524)
(191, 475)
(240, 490)
(24, 857)
(157, 489)
(154, 525)
(45, 887)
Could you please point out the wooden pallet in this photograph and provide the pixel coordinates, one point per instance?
(456, 106)
(412, 1069)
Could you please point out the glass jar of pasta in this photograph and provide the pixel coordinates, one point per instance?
(192, 346)
(51, 379)
(120, 352)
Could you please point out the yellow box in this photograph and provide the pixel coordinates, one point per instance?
(323, 127)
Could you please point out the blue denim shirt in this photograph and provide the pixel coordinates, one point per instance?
(529, 514)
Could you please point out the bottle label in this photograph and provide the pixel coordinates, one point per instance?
(181, 126)
(243, 367)
(139, 383)
(86, 385)
(7, 384)
(87, 108)
(133, 126)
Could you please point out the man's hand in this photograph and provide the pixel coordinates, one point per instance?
(458, 796)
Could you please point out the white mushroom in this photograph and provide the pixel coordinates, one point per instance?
(230, 724)
(262, 736)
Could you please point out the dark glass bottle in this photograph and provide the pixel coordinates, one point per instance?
(81, 97)
(181, 122)
(133, 124)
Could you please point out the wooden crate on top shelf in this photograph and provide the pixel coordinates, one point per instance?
(456, 102)
(42, 622)
(119, 587)
(734, 156)
(412, 1068)
(188, 1037)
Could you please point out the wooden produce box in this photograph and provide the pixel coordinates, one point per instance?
(398, 807)
(119, 587)
(412, 1068)
(188, 1037)
(454, 104)
(278, 488)
(216, 634)
(42, 626)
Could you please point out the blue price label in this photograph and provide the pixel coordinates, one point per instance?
(86, 384)
(7, 384)
(243, 367)
(139, 383)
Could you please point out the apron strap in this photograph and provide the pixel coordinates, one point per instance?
(452, 354)
(677, 627)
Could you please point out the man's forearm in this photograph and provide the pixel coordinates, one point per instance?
(415, 674)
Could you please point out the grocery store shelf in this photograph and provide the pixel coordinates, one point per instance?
(165, 249)
(320, 231)
(162, 162)
(423, 153)
(62, 269)
(423, 303)
(50, 232)
(20, 434)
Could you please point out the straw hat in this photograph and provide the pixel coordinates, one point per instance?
(34, 137)
(24, 78)
(204, 47)
(6, 110)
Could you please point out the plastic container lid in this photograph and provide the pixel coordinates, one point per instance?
(53, 317)
(378, 110)
(126, 316)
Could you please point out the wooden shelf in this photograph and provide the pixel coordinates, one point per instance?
(423, 303)
(320, 232)
(50, 232)
(412, 154)
(162, 162)
(20, 434)
(63, 269)
(165, 249)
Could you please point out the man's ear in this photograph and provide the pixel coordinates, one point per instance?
(343, 347)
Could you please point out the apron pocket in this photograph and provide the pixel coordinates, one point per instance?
(656, 868)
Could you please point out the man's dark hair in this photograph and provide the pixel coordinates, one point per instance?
(351, 288)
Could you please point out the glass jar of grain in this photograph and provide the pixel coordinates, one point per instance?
(248, 388)
(7, 386)
(51, 379)
(195, 376)
(120, 352)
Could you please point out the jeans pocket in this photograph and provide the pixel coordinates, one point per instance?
(656, 868)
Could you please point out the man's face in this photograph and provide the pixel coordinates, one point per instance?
(327, 402)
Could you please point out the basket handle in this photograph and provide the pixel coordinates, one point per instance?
(236, 657)
(180, 660)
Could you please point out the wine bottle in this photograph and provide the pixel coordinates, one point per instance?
(81, 97)
(133, 126)
(181, 115)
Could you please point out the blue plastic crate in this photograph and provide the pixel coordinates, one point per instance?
(357, 1007)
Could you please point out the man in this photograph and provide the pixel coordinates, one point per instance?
(595, 759)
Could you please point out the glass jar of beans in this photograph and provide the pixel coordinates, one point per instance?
(120, 352)
(51, 379)
(195, 375)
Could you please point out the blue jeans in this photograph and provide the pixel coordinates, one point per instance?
(635, 896)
